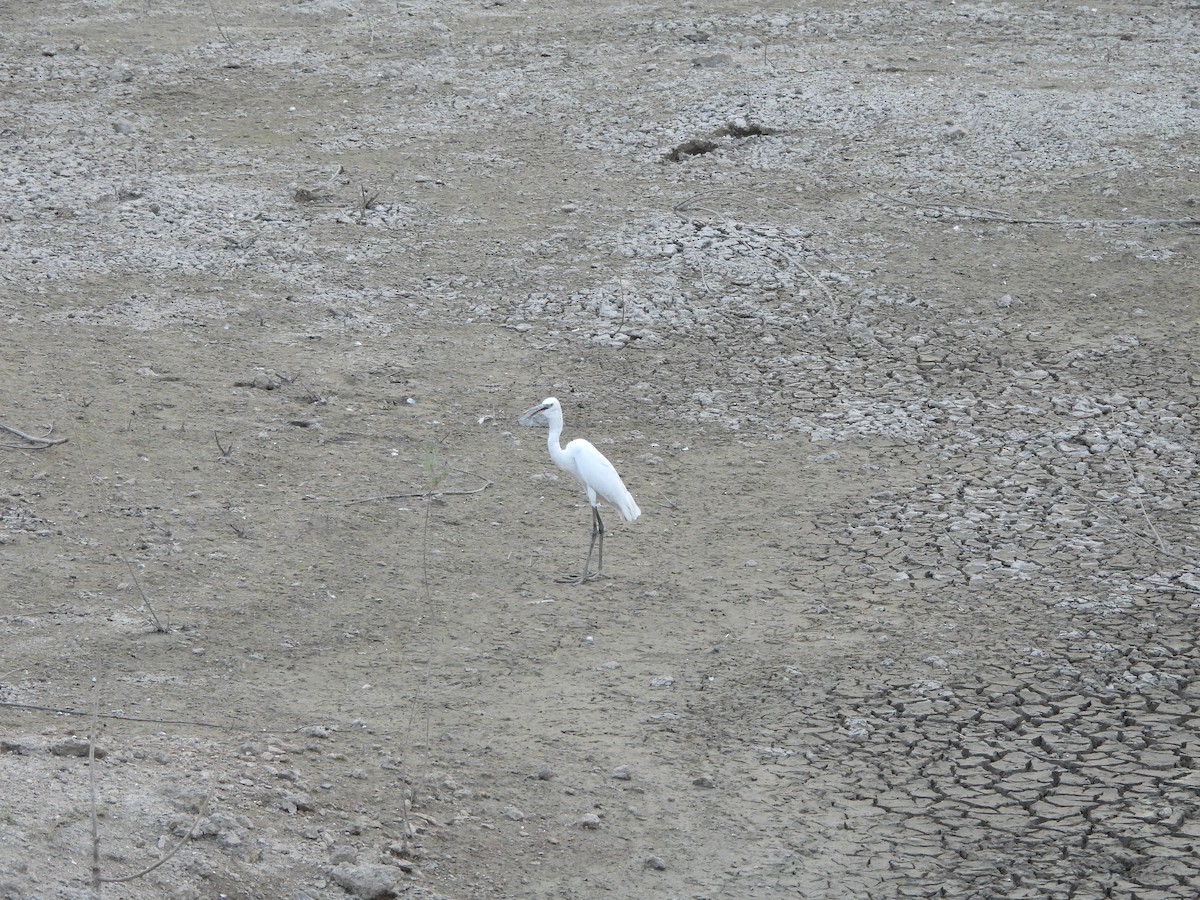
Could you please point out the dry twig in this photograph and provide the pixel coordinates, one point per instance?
(68, 711)
(96, 878)
(226, 452)
(487, 483)
(150, 615)
(183, 840)
(220, 30)
(978, 213)
(39, 442)
(1160, 547)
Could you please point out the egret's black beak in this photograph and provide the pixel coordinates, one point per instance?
(527, 417)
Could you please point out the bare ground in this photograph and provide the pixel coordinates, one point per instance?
(887, 315)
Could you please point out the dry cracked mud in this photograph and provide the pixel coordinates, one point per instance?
(886, 312)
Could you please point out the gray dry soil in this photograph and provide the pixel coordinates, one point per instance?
(887, 312)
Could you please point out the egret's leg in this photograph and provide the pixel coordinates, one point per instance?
(587, 574)
(599, 524)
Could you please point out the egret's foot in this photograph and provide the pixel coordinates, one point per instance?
(579, 578)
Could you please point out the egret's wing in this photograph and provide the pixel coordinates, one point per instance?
(597, 474)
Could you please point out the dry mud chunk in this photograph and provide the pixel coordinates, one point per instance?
(75, 747)
(370, 882)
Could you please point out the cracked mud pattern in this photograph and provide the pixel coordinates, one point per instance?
(887, 315)
(1070, 774)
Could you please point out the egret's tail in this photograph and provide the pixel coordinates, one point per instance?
(628, 507)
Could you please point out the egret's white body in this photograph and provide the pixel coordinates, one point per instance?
(591, 468)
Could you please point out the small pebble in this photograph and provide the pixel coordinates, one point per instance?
(296, 800)
(343, 853)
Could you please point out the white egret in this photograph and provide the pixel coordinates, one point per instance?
(591, 468)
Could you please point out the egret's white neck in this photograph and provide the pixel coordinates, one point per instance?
(552, 440)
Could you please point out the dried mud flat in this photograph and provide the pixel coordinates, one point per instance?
(888, 315)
